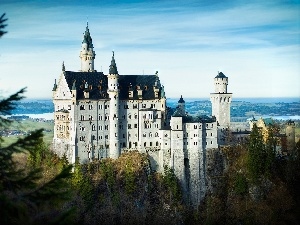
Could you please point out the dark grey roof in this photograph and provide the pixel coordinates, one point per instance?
(146, 83)
(198, 119)
(113, 67)
(178, 113)
(97, 85)
(221, 75)
(87, 37)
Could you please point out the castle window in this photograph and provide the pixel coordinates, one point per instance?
(106, 136)
(100, 106)
(143, 106)
(135, 106)
(210, 134)
(150, 134)
(82, 117)
(93, 127)
(129, 116)
(126, 107)
(156, 143)
(123, 135)
(129, 126)
(211, 142)
(135, 125)
(105, 106)
(144, 144)
(81, 138)
(150, 143)
(116, 135)
(100, 127)
(90, 107)
(82, 107)
(177, 126)
(195, 126)
(166, 143)
(93, 137)
(156, 134)
(69, 107)
(106, 127)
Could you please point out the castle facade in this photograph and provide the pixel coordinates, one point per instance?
(101, 115)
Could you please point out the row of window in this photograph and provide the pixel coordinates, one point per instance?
(134, 106)
(195, 143)
(62, 128)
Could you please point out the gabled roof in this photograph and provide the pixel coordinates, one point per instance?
(97, 85)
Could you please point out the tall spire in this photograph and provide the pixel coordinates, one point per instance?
(63, 68)
(87, 53)
(87, 37)
(113, 67)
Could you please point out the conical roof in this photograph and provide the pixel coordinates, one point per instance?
(87, 37)
(113, 67)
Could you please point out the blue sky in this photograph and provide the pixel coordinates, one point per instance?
(255, 43)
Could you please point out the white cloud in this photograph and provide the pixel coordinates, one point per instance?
(256, 45)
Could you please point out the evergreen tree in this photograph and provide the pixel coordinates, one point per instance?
(23, 200)
(270, 153)
(256, 155)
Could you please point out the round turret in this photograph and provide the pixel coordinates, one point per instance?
(87, 54)
(221, 82)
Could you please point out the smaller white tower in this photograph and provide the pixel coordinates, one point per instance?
(87, 53)
(221, 100)
(113, 91)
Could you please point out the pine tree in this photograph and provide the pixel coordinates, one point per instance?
(256, 155)
(270, 153)
(22, 199)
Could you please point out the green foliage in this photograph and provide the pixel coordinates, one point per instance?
(270, 154)
(82, 183)
(129, 178)
(256, 157)
(108, 173)
(26, 196)
(240, 184)
(171, 182)
(2, 25)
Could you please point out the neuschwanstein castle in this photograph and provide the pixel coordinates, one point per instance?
(101, 115)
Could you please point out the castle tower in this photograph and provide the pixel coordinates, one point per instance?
(290, 135)
(87, 54)
(113, 91)
(181, 105)
(221, 100)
